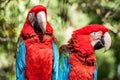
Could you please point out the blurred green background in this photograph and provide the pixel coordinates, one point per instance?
(65, 16)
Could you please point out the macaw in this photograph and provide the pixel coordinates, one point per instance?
(37, 57)
(77, 58)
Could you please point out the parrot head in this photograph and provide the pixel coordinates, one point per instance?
(98, 34)
(37, 17)
(98, 40)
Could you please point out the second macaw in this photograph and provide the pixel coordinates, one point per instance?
(37, 57)
(77, 58)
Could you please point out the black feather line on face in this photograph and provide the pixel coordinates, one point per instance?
(99, 44)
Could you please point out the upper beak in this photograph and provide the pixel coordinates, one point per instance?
(107, 40)
(41, 19)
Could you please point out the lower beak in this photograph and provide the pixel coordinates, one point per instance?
(41, 19)
(107, 40)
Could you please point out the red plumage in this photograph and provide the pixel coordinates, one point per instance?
(82, 55)
(89, 29)
(39, 54)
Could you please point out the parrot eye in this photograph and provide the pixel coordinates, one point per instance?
(93, 33)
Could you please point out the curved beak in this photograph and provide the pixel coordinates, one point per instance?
(107, 40)
(41, 19)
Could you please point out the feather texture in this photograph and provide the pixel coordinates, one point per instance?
(64, 66)
(39, 54)
(20, 61)
(95, 73)
(56, 62)
(81, 55)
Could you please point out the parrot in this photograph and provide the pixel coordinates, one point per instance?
(37, 53)
(77, 58)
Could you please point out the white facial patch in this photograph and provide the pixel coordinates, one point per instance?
(31, 18)
(95, 36)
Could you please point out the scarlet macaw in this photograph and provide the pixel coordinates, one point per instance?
(37, 57)
(77, 58)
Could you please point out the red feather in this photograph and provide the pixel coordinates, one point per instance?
(37, 9)
(82, 55)
(89, 29)
(39, 54)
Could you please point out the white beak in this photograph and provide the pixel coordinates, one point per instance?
(107, 40)
(41, 18)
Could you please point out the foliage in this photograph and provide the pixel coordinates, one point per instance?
(65, 16)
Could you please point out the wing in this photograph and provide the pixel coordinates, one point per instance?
(64, 66)
(20, 61)
(95, 73)
(56, 62)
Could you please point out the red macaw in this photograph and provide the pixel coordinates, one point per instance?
(77, 58)
(37, 57)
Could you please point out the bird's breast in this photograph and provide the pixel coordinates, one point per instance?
(39, 58)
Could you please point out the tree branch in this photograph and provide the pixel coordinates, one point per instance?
(4, 39)
(110, 27)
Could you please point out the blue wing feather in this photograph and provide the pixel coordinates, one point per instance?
(56, 62)
(20, 61)
(64, 66)
(95, 73)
